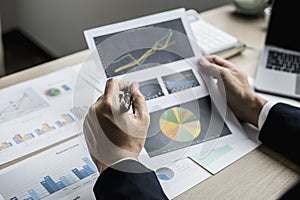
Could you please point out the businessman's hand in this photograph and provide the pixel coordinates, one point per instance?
(112, 135)
(243, 101)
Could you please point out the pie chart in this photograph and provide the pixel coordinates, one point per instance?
(52, 92)
(165, 173)
(180, 124)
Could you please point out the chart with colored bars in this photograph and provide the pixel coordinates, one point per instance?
(180, 124)
(5, 145)
(180, 81)
(24, 102)
(76, 113)
(18, 138)
(151, 89)
(49, 185)
(162, 51)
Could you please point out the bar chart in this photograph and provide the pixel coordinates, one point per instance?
(67, 120)
(50, 185)
(79, 112)
(5, 145)
(31, 121)
(74, 114)
(19, 139)
(45, 129)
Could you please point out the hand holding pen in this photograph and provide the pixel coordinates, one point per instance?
(106, 121)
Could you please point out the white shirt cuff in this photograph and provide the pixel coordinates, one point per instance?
(127, 158)
(264, 113)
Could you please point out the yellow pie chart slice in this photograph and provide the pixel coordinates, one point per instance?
(180, 124)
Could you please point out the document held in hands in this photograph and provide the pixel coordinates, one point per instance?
(188, 113)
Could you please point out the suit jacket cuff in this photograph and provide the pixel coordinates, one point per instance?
(264, 113)
(128, 179)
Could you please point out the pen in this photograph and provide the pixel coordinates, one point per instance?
(125, 99)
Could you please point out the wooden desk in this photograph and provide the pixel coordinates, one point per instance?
(261, 174)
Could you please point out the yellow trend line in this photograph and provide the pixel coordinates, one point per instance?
(157, 47)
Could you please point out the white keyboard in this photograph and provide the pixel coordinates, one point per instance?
(210, 38)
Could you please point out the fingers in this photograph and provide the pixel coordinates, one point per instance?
(99, 98)
(213, 59)
(138, 101)
(113, 86)
(207, 64)
(220, 61)
(110, 88)
(122, 85)
(215, 65)
(111, 92)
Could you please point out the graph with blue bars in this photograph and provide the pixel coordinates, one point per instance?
(180, 81)
(49, 185)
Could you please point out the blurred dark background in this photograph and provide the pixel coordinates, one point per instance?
(34, 31)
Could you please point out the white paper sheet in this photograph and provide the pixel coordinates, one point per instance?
(67, 168)
(221, 157)
(75, 176)
(41, 112)
(180, 176)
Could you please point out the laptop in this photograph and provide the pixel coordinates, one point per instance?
(279, 66)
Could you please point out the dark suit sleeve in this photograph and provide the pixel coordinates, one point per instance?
(128, 179)
(281, 131)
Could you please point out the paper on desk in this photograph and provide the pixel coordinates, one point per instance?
(75, 176)
(221, 157)
(41, 112)
(180, 176)
(54, 174)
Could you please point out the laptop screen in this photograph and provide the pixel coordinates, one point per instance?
(283, 30)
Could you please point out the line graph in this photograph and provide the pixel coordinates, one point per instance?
(22, 103)
(158, 46)
(142, 48)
